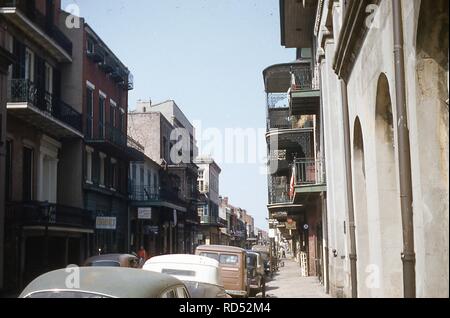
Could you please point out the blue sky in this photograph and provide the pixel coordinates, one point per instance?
(208, 56)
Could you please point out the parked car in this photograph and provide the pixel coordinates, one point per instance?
(264, 252)
(105, 282)
(233, 267)
(113, 260)
(201, 275)
(255, 270)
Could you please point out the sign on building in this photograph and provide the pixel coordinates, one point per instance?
(144, 213)
(106, 223)
(272, 233)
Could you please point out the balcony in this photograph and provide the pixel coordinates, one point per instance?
(42, 110)
(310, 178)
(149, 196)
(293, 88)
(212, 220)
(288, 192)
(45, 214)
(112, 140)
(24, 15)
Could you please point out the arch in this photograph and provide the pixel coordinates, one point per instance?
(389, 214)
(432, 146)
(361, 217)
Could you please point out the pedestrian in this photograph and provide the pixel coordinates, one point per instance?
(142, 254)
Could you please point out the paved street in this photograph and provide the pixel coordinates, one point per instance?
(289, 284)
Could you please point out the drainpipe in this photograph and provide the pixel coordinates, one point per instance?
(348, 172)
(404, 157)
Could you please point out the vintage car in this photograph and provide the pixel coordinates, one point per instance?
(113, 260)
(201, 275)
(105, 282)
(264, 252)
(233, 267)
(256, 274)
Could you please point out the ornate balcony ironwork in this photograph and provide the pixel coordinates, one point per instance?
(310, 172)
(42, 213)
(25, 91)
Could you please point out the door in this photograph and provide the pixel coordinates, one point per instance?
(27, 174)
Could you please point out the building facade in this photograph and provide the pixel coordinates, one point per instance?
(383, 69)
(44, 228)
(208, 207)
(155, 127)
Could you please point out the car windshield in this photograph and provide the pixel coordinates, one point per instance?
(105, 264)
(203, 290)
(65, 294)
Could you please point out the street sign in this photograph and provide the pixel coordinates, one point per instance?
(105, 223)
(144, 213)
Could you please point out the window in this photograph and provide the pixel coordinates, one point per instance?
(89, 152)
(228, 259)
(48, 86)
(9, 161)
(101, 117)
(114, 174)
(90, 46)
(112, 113)
(89, 112)
(149, 179)
(29, 65)
(27, 174)
(121, 119)
(210, 255)
(102, 170)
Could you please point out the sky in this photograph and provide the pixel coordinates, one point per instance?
(208, 56)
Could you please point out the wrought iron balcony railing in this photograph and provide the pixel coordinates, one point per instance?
(41, 213)
(302, 78)
(310, 172)
(44, 22)
(25, 91)
(212, 220)
(152, 194)
(106, 132)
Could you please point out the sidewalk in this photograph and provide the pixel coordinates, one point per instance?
(288, 283)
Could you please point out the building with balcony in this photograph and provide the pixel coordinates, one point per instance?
(98, 82)
(384, 71)
(154, 126)
(208, 206)
(296, 178)
(46, 228)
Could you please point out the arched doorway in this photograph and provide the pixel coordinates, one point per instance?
(432, 144)
(390, 265)
(361, 218)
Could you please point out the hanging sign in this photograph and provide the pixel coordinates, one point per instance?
(144, 213)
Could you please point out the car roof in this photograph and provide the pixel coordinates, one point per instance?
(186, 259)
(111, 281)
(108, 257)
(220, 248)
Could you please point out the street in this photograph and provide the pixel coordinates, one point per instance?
(288, 283)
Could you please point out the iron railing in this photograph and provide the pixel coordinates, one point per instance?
(211, 220)
(309, 172)
(143, 193)
(25, 91)
(45, 22)
(302, 78)
(42, 213)
(106, 132)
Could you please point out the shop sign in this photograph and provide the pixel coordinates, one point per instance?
(144, 213)
(291, 225)
(106, 223)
